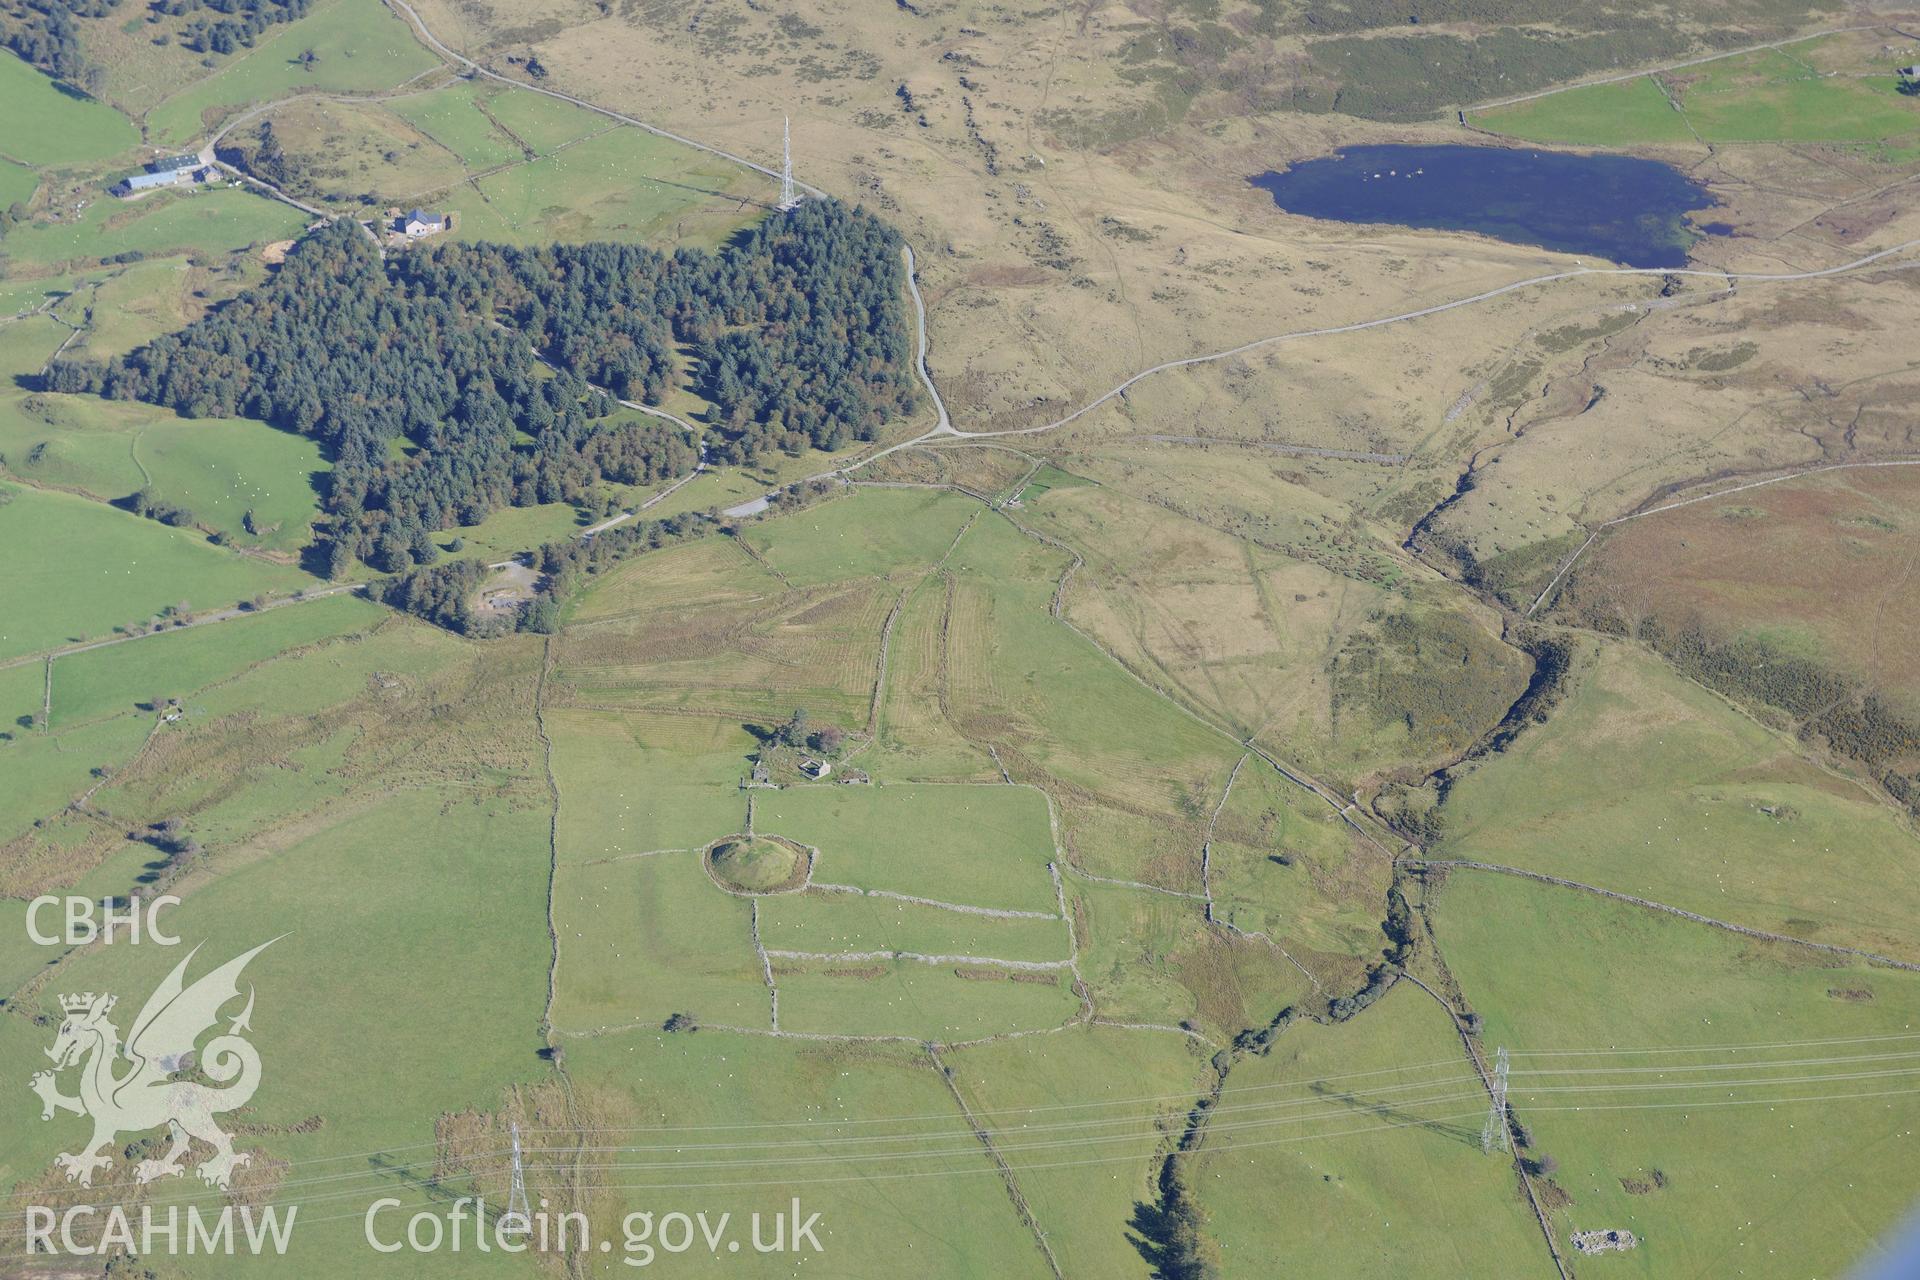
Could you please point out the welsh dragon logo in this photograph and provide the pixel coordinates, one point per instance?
(149, 1093)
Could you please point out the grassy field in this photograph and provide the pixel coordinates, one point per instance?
(929, 1199)
(212, 220)
(1080, 1117)
(1785, 1160)
(615, 184)
(852, 922)
(1375, 1124)
(635, 783)
(50, 125)
(1646, 784)
(93, 568)
(920, 1001)
(459, 118)
(647, 938)
(1835, 89)
(361, 48)
(348, 908)
(873, 532)
(17, 183)
(115, 680)
(984, 846)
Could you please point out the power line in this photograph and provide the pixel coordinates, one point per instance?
(1494, 1132)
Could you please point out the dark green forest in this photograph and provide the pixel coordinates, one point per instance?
(450, 381)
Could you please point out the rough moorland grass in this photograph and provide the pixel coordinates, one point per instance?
(1283, 863)
(429, 958)
(215, 220)
(361, 47)
(934, 1204)
(347, 149)
(178, 664)
(1646, 784)
(48, 124)
(872, 532)
(1747, 1176)
(985, 846)
(632, 782)
(647, 938)
(752, 662)
(1103, 1090)
(87, 567)
(849, 922)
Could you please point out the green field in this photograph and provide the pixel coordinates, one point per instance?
(1688, 802)
(17, 183)
(853, 922)
(1080, 1117)
(876, 1193)
(647, 938)
(361, 48)
(1792, 1154)
(924, 1002)
(211, 220)
(343, 905)
(93, 568)
(1374, 1124)
(873, 532)
(453, 117)
(114, 680)
(636, 783)
(1775, 95)
(983, 846)
(50, 125)
(621, 184)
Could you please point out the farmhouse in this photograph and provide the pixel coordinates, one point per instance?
(418, 222)
(168, 171)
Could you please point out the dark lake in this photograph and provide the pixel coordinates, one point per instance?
(1623, 208)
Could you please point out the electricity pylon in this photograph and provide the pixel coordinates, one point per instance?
(517, 1217)
(789, 197)
(1494, 1132)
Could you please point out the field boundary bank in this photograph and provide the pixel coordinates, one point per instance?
(1763, 935)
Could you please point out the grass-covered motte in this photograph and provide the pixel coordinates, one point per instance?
(757, 864)
(420, 374)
